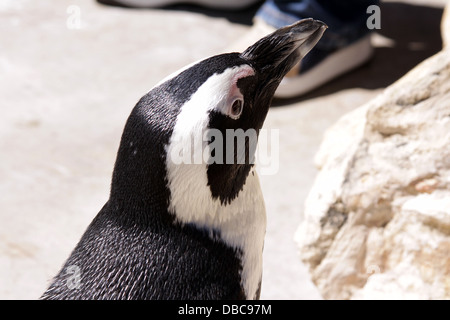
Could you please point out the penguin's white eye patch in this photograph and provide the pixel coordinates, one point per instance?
(236, 108)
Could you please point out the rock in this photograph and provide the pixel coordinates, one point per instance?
(377, 219)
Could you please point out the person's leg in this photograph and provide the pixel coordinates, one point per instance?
(346, 19)
(348, 9)
(344, 46)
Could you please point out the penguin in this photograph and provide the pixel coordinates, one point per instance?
(175, 230)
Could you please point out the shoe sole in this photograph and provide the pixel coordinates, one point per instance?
(217, 4)
(333, 66)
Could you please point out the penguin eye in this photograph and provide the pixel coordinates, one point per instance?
(236, 108)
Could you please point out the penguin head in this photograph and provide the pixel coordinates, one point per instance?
(236, 89)
(224, 93)
(215, 134)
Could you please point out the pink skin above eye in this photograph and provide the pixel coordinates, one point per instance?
(235, 92)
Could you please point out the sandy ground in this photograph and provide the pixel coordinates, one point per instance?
(70, 73)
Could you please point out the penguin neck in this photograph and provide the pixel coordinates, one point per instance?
(139, 177)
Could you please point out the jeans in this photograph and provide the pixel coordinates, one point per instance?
(346, 19)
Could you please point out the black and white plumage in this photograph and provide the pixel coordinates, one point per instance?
(187, 231)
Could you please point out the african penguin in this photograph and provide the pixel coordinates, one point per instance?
(181, 230)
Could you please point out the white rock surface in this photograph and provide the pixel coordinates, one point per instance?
(377, 220)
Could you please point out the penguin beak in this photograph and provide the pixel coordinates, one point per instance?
(274, 55)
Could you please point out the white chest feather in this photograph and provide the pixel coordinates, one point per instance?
(241, 223)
